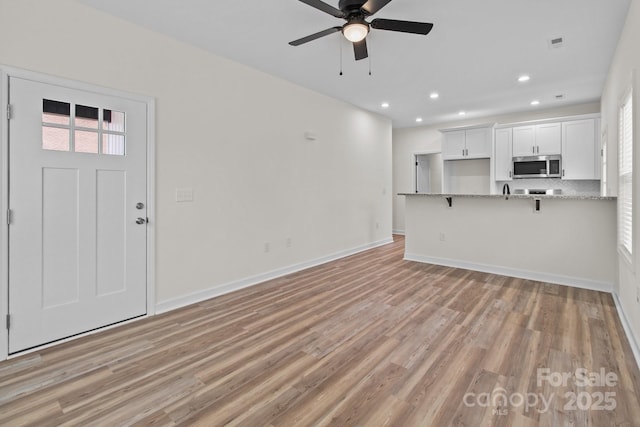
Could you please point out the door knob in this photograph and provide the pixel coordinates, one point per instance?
(141, 221)
(139, 205)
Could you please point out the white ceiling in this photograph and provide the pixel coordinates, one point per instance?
(472, 57)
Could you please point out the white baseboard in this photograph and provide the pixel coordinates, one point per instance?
(206, 294)
(627, 329)
(576, 282)
(400, 232)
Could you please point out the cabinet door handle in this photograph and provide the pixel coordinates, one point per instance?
(533, 149)
(538, 149)
(463, 152)
(562, 172)
(509, 174)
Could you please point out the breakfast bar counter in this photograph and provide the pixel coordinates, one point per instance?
(565, 239)
(512, 196)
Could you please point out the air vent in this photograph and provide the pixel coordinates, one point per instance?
(556, 42)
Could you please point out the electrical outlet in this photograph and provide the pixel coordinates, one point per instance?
(288, 242)
(377, 225)
(267, 247)
(442, 237)
(537, 205)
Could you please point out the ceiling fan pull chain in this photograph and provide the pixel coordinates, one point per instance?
(369, 58)
(340, 43)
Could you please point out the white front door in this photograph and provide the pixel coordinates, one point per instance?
(77, 199)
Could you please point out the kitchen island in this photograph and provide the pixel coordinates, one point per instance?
(562, 239)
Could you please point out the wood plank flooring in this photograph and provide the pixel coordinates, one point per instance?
(369, 340)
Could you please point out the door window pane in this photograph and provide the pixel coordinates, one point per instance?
(94, 130)
(86, 117)
(113, 121)
(113, 144)
(56, 139)
(56, 112)
(86, 142)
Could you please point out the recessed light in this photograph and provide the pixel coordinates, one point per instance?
(419, 120)
(385, 105)
(434, 95)
(462, 113)
(535, 102)
(524, 78)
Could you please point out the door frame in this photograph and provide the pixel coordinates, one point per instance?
(5, 73)
(414, 157)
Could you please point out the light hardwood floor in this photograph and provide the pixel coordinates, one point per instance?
(368, 340)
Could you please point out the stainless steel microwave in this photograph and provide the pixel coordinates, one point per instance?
(537, 167)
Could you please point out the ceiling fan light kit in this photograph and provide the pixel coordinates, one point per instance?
(357, 28)
(355, 31)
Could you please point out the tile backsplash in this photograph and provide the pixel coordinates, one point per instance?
(568, 187)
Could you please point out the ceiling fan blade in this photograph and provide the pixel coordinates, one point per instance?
(360, 49)
(372, 6)
(320, 5)
(402, 26)
(315, 36)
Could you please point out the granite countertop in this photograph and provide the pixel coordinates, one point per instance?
(515, 196)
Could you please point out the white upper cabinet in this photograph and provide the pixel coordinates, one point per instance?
(503, 159)
(479, 143)
(576, 140)
(549, 139)
(537, 140)
(454, 145)
(524, 141)
(580, 152)
(467, 144)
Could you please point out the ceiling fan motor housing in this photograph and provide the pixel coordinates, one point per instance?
(352, 6)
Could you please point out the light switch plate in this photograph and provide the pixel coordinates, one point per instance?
(184, 195)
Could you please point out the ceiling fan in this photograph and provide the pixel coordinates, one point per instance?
(357, 28)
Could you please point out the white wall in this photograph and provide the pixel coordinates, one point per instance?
(234, 135)
(623, 75)
(469, 176)
(408, 141)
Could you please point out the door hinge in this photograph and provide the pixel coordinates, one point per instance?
(8, 111)
(8, 321)
(8, 216)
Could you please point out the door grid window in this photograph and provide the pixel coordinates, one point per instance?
(82, 128)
